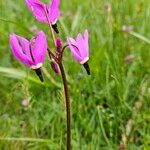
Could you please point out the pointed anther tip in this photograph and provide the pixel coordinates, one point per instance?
(39, 74)
(55, 28)
(89, 73)
(41, 78)
(87, 68)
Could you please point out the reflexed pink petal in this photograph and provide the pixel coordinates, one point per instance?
(54, 12)
(86, 43)
(38, 9)
(73, 42)
(82, 42)
(25, 45)
(86, 37)
(74, 49)
(80, 50)
(81, 45)
(40, 48)
(17, 51)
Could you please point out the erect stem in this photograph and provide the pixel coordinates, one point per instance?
(64, 79)
(52, 33)
(67, 97)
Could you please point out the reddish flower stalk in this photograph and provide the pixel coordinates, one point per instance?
(68, 106)
(80, 52)
(65, 84)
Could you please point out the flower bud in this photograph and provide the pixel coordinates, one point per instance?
(59, 44)
(55, 66)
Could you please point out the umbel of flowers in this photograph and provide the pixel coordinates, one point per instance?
(32, 52)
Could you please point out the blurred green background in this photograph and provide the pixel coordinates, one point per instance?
(110, 109)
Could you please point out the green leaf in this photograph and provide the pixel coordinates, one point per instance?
(19, 74)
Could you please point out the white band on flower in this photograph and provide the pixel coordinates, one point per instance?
(54, 22)
(84, 61)
(36, 66)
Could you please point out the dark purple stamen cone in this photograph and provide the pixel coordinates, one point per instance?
(55, 27)
(87, 68)
(39, 74)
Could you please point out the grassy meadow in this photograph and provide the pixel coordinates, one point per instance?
(110, 108)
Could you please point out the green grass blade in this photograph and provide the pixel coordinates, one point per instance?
(76, 19)
(29, 140)
(139, 36)
(18, 24)
(102, 128)
(19, 74)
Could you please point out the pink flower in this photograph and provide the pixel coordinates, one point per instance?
(79, 47)
(127, 28)
(25, 102)
(129, 58)
(31, 53)
(44, 13)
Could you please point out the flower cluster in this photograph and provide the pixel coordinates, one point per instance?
(32, 52)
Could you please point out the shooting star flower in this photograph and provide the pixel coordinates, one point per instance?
(80, 49)
(45, 13)
(31, 53)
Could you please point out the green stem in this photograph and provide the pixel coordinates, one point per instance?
(67, 97)
(51, 30)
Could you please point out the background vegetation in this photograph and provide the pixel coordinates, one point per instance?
(110, 109)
